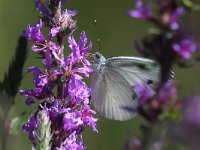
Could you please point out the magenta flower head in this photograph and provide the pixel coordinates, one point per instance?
(186, 47)
(141, 11)
(174, 16)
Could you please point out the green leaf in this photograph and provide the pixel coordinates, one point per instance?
(13, 77)
(190, 5)
(17, 122)
(186, 63)
(174, 115)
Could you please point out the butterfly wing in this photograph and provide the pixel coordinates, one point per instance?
(112, 94)
(135, 70)
(112, 90)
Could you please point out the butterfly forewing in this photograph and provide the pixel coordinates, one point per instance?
(135, 70)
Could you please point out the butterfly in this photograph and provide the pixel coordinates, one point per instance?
(113, 81)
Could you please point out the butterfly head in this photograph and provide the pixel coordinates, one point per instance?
(99, 61)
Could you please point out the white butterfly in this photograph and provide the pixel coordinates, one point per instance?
(113, 80)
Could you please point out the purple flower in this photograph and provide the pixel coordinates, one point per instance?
(71, 143)
(133, 144)
(72, 120)
(45, 47)
(144, 92)
(79, 50)
(29, 101)
(54, 111)
(158, 145)
(67, 24)
(34, 34)
(185, 48)
(42, 9)
(40, 77)
(191, 113)
(141, 11)
(78, 91)
(167, 92)
(44, 83)
(88, 119)
(30, 127)
(67, 107)
(179, 11)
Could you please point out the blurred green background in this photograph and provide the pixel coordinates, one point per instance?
(117, 33)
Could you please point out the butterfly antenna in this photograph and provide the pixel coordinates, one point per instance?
(98, 40)
(99, 44)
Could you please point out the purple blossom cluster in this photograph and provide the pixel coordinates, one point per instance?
(167, 44)
(59, 87)
(157, 99)
(169, 30)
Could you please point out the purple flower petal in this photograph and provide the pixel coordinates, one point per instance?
(87, 117)
(72, 120)
(85, 70)
(192, 110)
(141, 11)
(29, 101)
(80, 50)
(72, 12)
(175, 16)
(30, 127)
(53, 32)
(48, 60)
(72, 143)
(40, 78)
(83, 40)
(167, 92)
(185, 48)
(34, 34)
(42, 9)
(58, 58)
(54, 47)
(144, 92)
(37, 48)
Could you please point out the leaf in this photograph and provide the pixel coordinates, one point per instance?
(173, 115)
(17, 123)
(186, 63)
(190, 5)
(13, 77)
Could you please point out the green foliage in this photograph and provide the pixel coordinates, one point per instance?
(17, 122)
(13, 77)
(186, 63)
(174, 115)
(191, 5)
